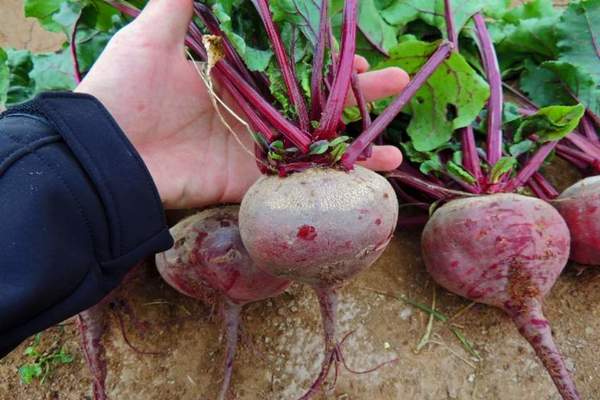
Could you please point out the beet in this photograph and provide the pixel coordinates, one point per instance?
(580, 207)
(208, 262)
(320, 227)
(92, 324)
(505, 250)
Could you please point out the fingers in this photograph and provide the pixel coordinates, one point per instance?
(384, 158)
(166, 21)
(360, 64)
(380, 84)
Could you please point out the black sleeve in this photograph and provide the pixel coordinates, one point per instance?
(78, 209)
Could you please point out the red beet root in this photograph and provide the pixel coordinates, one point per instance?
(507, 251)
(580, 207)
(320, 227)
(209, 261)
(92, 324)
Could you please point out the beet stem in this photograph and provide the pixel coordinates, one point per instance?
(256, 122)
(431, 189)
(328, 301)
(316, 84)
(334, 108)
(384, 119)
(536, 329)
(573, 160)
(577, 154)
(471, 160)
(584, 144)
(548, 188)
(531, 167)
(290, 131)
(231, 322)
(520, 95)
(211, 23)
(588, 129)
(537, 190)
(361, 102)
(450, 24)
(73, 47)
(285, 63)
(492, 69)
(363, 108)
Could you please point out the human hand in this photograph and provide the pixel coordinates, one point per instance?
(156, 96)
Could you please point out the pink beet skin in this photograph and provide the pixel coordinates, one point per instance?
(507, 251)
(208, 262)
(580, 207)
(92, 324)
(320, 226)
(209, 258)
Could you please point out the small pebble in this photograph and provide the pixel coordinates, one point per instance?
(406, 313)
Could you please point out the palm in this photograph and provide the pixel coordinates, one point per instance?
(188, 143)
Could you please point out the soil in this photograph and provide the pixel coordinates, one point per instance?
(279, 352)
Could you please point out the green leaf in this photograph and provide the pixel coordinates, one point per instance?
(550, 123)
(31, 351)
(579, 33)
(278, 144)
(338, 140)
(459, 172)
(101, 16)
(374, 27)
(432, 11)
(432, 165)
(555, 82)
(52, 71)
(521, 148)
(21, 87)
(90, 44)
(62, 357)
(531, 10)
(338, 151)
(255, 58)
(304, 14)
(279, 89)
(319, 147)
(275, 156)
(43, 11)
(4, 77)
(502, 167)
(529, 38)
(260, 140)
(451, 99)
(28, 372)
(66, 16)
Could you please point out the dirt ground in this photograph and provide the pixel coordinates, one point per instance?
(280, 347)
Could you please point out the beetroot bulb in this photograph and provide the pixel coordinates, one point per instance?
(209, 261)
(320, 227)
(580, 207)
(507, 251)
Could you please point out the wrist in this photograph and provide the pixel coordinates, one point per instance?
(125, 124)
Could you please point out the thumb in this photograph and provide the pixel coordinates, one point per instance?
(165, 21)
